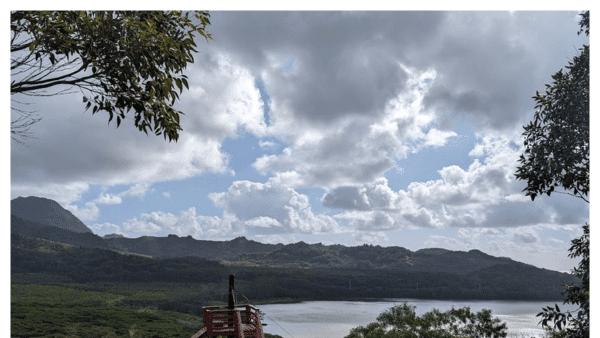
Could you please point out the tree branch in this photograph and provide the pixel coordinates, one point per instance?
(566, 193)
(51, 84)
(40, 81)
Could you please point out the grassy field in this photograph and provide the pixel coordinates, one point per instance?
(52, 308)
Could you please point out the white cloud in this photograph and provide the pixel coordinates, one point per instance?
(108, 199)
(359, 149)
(270, 145)
(66, 152)
(271, 207)
(371, 237)
(526, 236)
(138, 190)
(438, 138)
(105, 228)
(64, 194)
(484, 195)
(273, 239)
(351, 94)
(263, 222)
(159, 223)
(370, 220)
(89, 213)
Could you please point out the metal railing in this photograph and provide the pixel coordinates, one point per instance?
(242, 321)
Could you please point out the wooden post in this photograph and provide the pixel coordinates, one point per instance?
(231, 300)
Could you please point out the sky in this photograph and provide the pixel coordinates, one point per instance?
(392, 128)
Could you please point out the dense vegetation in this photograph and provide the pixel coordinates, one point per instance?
(81, 265)
(47, 306)
(59, 290)
(97, 287)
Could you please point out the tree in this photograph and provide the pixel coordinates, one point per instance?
(557, 148)
(401, 322)
(118, 60)
(558, 155)
(579, 325)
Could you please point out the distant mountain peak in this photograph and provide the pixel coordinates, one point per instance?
(240, 239)
(48, 212)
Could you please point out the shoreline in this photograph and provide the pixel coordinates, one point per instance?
(374, 300)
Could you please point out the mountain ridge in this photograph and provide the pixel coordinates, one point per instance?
(46, 211)
(244, 252)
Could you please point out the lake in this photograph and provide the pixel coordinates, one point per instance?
(335, 319)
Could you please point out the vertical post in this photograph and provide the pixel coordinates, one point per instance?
(231, 302)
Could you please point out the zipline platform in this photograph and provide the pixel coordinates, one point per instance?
(232, 321)
(241, 322)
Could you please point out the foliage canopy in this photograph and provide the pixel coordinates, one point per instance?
(557, 154)
(401, 321)
(119, 61)
(579, 325)
(557, 148)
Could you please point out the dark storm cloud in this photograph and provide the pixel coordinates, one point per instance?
(491, 63)
(344, 63)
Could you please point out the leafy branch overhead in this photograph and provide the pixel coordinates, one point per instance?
(557, 154)
(556, 142)
(120, 61)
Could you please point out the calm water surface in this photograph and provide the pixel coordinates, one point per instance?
(335, 319)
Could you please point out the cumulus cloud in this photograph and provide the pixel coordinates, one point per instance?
(526, 236)
(88, 213)
(272, 208)
(111, 156)
(274, 239)
(484, 195)
(137, 190)
(159, 223)
(267, 144)
(64, 194)
(109, 199)
(350, 95)
(361, 149)
(106, 228)
(375, 196)
(370, 221)
(500, 96)
(372, 237)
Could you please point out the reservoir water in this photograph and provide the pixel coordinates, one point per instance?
(335, 319)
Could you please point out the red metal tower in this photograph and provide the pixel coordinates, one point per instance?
(232, 321)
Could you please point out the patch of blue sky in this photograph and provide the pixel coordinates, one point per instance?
(89, 195)
(424, 165)
(264, 96)
(314, 197)
(177, 196)
(289, 64)
(243, 152)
